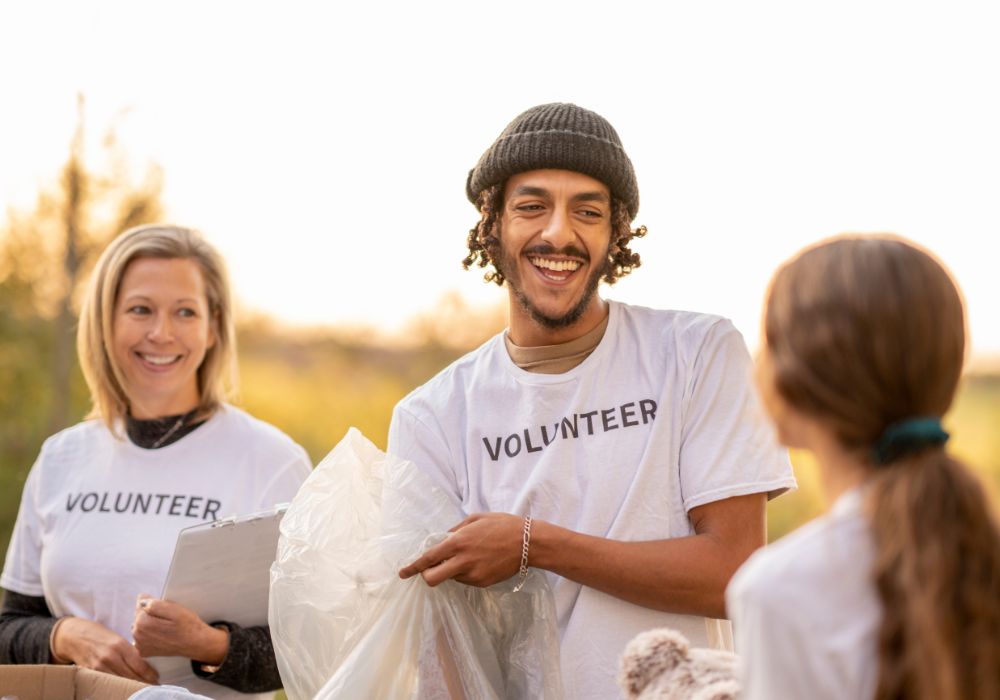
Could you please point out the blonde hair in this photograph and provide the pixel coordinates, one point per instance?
(217, 375)
(863, 332)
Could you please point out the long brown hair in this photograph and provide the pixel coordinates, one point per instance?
(864, 332)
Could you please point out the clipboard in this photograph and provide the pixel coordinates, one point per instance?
(222, 571)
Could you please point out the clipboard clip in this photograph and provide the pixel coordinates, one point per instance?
(278, 509)
(222, 522)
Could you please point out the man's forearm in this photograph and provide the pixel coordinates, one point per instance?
(682, 575)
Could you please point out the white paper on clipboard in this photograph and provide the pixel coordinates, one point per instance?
(222, 571)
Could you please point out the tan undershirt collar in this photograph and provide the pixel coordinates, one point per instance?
(556, 359)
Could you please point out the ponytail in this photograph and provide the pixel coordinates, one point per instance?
(937, 572)
(866, 334)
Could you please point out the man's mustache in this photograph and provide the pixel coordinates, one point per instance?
(570, 251)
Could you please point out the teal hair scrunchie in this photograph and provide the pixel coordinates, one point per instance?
(908, 436)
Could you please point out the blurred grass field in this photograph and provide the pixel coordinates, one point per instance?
(315, 387)
(319, 395)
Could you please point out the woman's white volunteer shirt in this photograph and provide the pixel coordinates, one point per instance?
(99, 516)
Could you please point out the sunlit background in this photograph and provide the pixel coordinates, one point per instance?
(323, 147)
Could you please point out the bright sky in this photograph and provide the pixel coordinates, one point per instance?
(324, 146)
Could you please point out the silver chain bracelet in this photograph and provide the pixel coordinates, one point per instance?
(524, 554)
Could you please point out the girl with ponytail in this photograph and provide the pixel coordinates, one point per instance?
(895, 591)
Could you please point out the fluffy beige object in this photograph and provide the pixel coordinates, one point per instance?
(661, 665)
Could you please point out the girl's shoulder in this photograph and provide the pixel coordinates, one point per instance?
(808, 559)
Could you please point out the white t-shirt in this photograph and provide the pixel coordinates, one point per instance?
(99, 516)
(660, 418)
(806, 612)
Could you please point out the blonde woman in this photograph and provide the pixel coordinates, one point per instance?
(895, 591)
(161, 451)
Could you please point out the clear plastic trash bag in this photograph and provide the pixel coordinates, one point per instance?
(345, 625)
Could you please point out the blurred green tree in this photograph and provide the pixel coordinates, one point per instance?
(46, 254)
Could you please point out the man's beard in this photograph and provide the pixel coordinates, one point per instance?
(509, 269)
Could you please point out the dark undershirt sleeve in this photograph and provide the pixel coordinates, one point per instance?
(25, 625)
(249, 666)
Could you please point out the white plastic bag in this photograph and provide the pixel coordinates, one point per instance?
(345, 625)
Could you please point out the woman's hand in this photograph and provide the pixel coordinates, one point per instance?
(90, 644)
(162, 628)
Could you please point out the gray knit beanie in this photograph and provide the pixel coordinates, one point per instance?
(561, 136)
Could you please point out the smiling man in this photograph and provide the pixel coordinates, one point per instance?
(618, 448)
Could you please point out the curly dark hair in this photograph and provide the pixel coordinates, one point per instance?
(484, 239)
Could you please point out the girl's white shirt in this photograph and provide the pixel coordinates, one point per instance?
(806, 613)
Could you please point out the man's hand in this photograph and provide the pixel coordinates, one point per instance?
(162, 628)
(483, 549)
(91, 645)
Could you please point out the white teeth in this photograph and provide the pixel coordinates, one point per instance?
(159, 359)
(556, 265)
